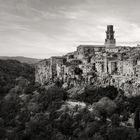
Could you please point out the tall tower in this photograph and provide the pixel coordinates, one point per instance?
(110, 40)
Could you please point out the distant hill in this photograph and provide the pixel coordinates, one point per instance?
(21, 59)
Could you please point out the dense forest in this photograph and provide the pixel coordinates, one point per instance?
(12, 69)
(30, 111)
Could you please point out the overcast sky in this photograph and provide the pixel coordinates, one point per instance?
(44, 28)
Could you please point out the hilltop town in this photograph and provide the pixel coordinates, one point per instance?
(115, 65)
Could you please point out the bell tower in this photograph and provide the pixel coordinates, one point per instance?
(110, 40)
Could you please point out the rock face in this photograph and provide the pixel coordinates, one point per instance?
(42, 71)
(116, 62)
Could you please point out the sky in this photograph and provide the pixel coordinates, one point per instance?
(44, 28)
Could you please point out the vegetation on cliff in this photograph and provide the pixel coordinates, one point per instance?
(47, 112)
(33, 112)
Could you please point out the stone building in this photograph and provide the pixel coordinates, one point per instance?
(107, 59)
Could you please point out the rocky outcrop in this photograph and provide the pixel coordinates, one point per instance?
(42, 71)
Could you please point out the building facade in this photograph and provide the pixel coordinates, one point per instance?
(107, 59)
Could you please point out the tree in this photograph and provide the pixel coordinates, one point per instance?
(106, 105)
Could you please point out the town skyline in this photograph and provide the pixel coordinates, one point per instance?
(41, 29)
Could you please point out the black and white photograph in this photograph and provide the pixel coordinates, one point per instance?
(69, 69)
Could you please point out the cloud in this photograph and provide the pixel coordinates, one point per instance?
(42, 28)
